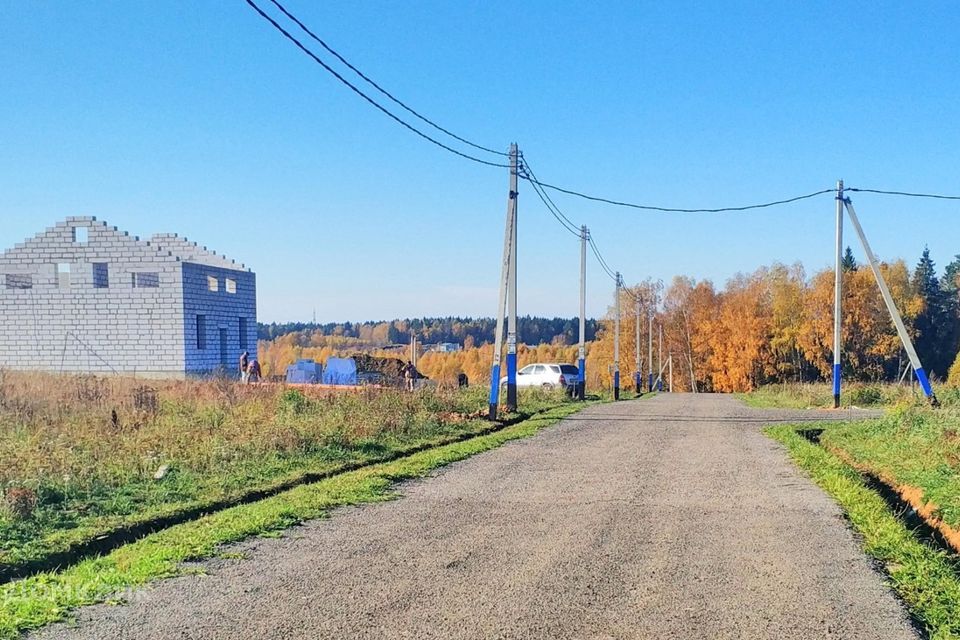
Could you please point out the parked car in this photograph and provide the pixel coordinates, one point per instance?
(547, 375)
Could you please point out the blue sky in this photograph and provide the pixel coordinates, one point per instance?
(198, 118)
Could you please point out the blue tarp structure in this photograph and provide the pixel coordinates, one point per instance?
(304, 371)
(340, 371)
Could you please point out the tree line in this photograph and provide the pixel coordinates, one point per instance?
(776, 325)
(468, 332)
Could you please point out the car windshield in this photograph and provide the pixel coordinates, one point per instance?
(569, 368)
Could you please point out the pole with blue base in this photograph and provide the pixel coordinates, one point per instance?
(582, 347)
(505, 279)
(837, 297)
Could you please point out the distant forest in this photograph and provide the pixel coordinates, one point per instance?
(465, 331)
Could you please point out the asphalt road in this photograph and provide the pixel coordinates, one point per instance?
(671, 517)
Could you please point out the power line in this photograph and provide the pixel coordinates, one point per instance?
(376, 86)
(363, 95)
(675, 210)
(527, 172)
(904, 193)
(564, 221)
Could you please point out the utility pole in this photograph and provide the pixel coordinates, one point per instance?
(652, 306)
(638, 372)
(508, 236)
(616, 341)
(892, 308)
(582, 347)
(512, 297)
(660, 357)
(837, 297)
(670, 374)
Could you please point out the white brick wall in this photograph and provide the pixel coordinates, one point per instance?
(119, 328)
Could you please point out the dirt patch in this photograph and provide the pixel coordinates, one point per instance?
(925, 510)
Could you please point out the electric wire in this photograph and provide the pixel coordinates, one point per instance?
(904, 193)
(646, 207)
(526, 173)
(376, 86)
(363, 95)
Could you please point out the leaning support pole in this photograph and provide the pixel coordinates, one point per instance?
(616, 340)
(512, 290)
(837, 297)
(502, 302)
(582, 347)
(892, 308)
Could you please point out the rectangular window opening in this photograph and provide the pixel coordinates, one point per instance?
(19, 281)
(230, 285)
(81, 235)
(145, 279)
(101, 275)
(243, 333)
(212, 283)
(201, 331)
(63, 275)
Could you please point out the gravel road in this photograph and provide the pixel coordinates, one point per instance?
(669, 517)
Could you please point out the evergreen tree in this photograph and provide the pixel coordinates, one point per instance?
(950, 285)
(932, 325)
(849, 263)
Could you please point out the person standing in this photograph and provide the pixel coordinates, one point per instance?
(244, 365)
(410, 375)
(253, 371)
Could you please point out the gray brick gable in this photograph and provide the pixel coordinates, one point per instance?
(56, 316)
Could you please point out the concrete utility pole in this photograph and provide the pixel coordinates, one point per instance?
(582, 347)
(637, 371)
(652, 305)
(892, 308)
(837, 297)
(512, 298)
(616, 341)
(670, 374)
(660, 357)
(508, 236)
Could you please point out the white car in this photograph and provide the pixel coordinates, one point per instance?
(549, 376)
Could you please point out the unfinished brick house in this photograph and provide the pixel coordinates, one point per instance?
(85, 297)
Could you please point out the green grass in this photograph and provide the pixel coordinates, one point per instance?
(39, 600)
(86, 475)
(928, 580)
(819, 395)
(915, 446)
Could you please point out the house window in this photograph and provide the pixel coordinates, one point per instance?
(212, 283)
(80, 235)
(101, 275)
(19, 281)
(145, 280)
(201, 331)
(63, 275)
(230, 285)
(243, 333)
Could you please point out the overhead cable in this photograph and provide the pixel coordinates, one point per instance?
(376, 86)
(363, 95)
(646, 207)
(904, 193)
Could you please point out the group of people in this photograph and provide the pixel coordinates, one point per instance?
(249, 369)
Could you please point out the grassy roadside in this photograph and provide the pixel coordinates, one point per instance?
(820, 396)
(928, 580)
(82, 455)
(914, 449)
(48, 597)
